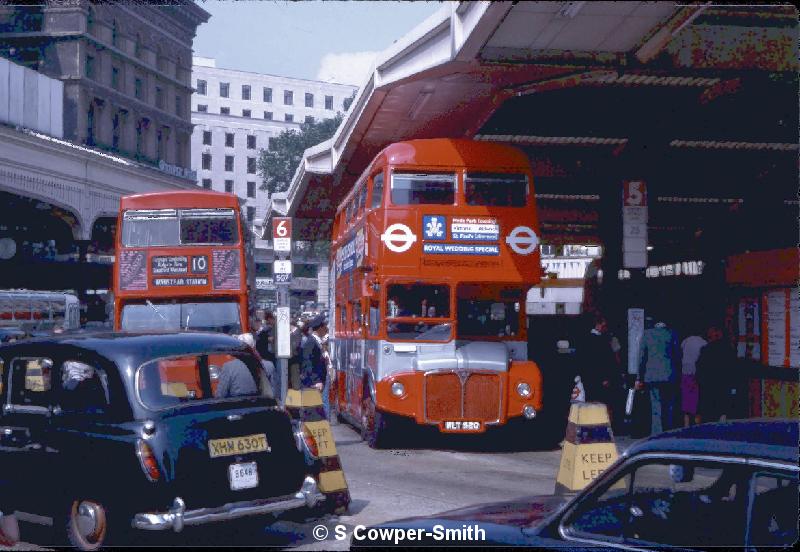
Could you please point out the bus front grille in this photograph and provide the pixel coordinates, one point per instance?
(448, 397)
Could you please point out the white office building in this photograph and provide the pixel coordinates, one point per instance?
(236, 113)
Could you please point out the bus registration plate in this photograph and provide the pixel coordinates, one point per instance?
(243, 476)
(462, 426)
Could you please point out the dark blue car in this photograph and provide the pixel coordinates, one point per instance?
(101, 435)
(713, 485)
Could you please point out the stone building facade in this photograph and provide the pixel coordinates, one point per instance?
(126, 69)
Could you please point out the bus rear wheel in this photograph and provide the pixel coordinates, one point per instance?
(374, 424)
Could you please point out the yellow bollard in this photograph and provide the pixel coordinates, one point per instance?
(589, 447)
(306, 405)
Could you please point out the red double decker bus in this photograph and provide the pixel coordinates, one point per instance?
(181, 263)
(433, 253)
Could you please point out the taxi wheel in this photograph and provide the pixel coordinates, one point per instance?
(373, 424)
(87, 526)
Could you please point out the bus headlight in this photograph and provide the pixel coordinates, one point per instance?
(398, 389)
(523, 389)
(529, 412)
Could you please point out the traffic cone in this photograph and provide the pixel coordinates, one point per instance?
(588, 448)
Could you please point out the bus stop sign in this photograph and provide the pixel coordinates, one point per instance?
(282, 234)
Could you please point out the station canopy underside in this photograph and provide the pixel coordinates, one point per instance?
(699, 101)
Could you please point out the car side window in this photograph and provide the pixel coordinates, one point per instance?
(668, 502)
(83, 388)
(773, 520)
(31, 382)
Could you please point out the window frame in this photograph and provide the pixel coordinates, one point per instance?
(226, 86)
(230, 139)
(267, 94)
(232, 159)
(252, 165)
(202, 90)
(246, 95)
(210, 138)
(251, 139)
(203, 157)
(372, 195)
(329, 102)
(288, 97)
(309, 100)
(251, 186)
(229, 188)
(16, 408)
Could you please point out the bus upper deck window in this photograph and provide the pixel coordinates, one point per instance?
(362, 198)
(496, 190)
(377, 190)
(146, 227)
(349, 211)
(216, 226)
(423, 189)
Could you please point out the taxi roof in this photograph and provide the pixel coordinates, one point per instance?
(764, 438)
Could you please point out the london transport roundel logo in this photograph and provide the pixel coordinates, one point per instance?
(523, 240)
(398, 237)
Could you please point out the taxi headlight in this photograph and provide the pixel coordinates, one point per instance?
(398, 389)
(523, 389)
(529, 412)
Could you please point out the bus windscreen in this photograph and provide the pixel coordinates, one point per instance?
(165, 227)
(162, 316)
(496, 190)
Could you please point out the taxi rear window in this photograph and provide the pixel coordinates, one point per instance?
(170, 382)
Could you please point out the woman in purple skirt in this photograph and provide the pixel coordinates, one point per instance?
(690, 349)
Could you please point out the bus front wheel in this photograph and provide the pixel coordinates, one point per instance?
(374, 426)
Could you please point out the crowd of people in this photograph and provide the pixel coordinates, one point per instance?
(695, 376)
(310, 363)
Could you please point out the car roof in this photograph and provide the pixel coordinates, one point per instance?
(138, 347)
(764, 438)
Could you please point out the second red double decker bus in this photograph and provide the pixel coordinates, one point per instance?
(181, 263)
(433, 253)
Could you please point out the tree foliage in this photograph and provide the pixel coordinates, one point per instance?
(278, 164)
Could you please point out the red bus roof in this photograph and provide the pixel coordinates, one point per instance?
(450, 151)
(187, 199)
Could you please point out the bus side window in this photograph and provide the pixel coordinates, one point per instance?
(349, 212)
(377, 190)
(362, 198)
(357, 320)
(374, 317)
(343, 318)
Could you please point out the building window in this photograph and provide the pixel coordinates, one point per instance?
(137, 46)
(329, 102)
(288, 97)
(267, 94)
(309, 100)
(202, 87)
(202, 108)
(271, 143)
(116, 129)
(224, 110)
(268, 115)
(207, 183)
(89, 67)
(289, 118)
(246, 113)
(141, 128)
(245, 91)
(224, 89)
(251, 141)
(90, 125)
(251, 165)
(251, 214)
(207, 160)
(138, 88)
(229, 163)
(178, 106)
(114, 34)
(90, 21)
(115, 78)
(207, 140)
(228, 139)
(159, 97)
(309, 119)
(229, 186)
(251, 189)
(161, 143)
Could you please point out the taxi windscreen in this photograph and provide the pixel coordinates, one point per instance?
(162, 227)
(169, 382)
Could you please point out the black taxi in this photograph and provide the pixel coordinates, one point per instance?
(104, 434)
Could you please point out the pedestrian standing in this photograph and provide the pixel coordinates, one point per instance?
(315, 369)
(658, 355)
(599, 369)
(690, 352)
(715, 377)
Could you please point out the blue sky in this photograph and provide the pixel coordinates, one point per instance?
(292, 38)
